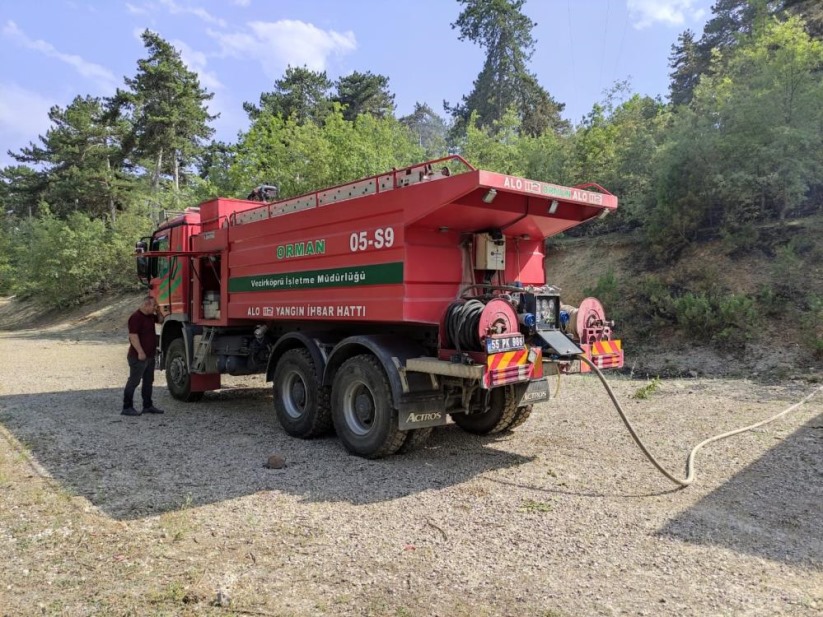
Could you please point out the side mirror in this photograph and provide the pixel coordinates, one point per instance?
(142, 262)
(143, 269)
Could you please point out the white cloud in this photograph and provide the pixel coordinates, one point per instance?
(102, 76)
(78, 7)
(242, 3)
(178, 9)
(670, 12)
(23, 116)
(197, 62)
(136, 10)
(286, 42)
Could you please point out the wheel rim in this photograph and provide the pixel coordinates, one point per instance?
(359, 408)
(177, 371)
(294, 394)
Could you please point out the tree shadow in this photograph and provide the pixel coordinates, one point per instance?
(213, 451)
(773, 508)
(75, 335)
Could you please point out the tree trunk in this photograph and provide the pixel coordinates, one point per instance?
(155, 181)
(112, 208)
(176, 173)
(155, 184)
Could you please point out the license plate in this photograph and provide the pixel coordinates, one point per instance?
(504, 343)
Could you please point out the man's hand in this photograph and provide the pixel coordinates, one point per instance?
(135, 342)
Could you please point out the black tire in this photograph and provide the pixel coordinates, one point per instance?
(362, 411)
(178, 379)
(520, 416)
(301, 403)
(496, 420)
(414, 439)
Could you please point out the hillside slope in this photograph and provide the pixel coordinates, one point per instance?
(774, 276)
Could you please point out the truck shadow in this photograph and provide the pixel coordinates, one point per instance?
(773, 508)
(212, 451)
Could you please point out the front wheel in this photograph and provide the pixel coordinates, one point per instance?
(178, 378)
(300, 401)
(362, 410)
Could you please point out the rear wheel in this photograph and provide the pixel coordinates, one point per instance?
(501, 413)
(520, 416)
(415, 439)
(362, 411)
(178, 378)
(300, 401)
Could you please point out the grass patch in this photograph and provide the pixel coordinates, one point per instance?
(173, 593)
(644, 392)
(530, 505)
(177, 525)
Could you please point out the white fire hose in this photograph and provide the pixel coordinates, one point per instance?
(690, 475)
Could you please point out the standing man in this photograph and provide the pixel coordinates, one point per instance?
(142, 344)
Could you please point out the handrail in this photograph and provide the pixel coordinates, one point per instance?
(313, 198)
(588, 185)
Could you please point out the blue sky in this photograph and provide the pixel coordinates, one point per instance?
(53, 50)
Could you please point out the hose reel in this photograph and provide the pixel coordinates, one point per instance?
(586, 323)
(469, 322)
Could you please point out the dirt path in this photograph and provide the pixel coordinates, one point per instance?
(101, 514)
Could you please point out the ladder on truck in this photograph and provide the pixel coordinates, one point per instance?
(381, 183)
(202, 350)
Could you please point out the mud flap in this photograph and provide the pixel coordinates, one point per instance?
(422, 412)
(537, 392)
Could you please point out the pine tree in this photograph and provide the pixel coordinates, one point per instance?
(301, 93)
(685, 63)
(504, 32)
(429, 128)
(22, 189)
(364, 93)
(79, 162)
(167, 110)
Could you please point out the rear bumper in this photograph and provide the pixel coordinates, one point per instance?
(513, 367)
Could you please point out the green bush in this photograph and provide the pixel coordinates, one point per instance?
(789, 273)
(696, 316)
(59, 262)
(721, 319)
(770, 301)
(738, 319)
(611, 296)
(65, 260)
(670, 226)
(812, 326)
(6, 264)
(740, 239)
(655, 301)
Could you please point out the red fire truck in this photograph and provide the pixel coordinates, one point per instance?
(380, 308)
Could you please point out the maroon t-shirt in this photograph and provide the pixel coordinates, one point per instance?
(143, 326)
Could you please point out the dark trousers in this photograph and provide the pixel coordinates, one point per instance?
(139, 370)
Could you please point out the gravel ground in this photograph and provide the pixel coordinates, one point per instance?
(175, 514)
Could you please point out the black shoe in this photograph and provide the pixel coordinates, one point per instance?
(131, 411)
(152, 409)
